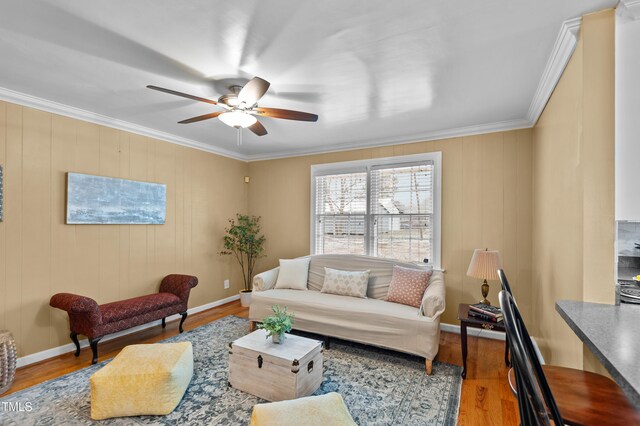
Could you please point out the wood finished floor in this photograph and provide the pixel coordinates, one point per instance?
(486, 398)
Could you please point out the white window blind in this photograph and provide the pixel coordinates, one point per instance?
(385, 207)
(341, 208)
(401, 212)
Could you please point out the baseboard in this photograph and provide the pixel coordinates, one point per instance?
(217, 303)
(487, 334)
(70, 347)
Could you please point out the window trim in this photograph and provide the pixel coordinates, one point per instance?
(367, 165)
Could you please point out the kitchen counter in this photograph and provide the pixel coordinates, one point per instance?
(612, 333)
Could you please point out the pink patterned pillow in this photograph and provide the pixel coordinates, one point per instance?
(408, 286)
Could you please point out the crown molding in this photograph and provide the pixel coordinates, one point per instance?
(560, 55)
(81, 114)
(480, 129)
(630, 8)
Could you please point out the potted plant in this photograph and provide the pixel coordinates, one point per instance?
(277, 324)
(244, 241)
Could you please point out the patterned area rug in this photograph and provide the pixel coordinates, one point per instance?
(380, 388)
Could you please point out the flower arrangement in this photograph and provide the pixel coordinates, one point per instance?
(277, 324)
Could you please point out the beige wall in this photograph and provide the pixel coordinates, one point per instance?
(486, 202)
(40, 255)
(573, 182)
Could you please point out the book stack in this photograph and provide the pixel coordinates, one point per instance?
(485, 312)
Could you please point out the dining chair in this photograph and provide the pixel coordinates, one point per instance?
(558, 395)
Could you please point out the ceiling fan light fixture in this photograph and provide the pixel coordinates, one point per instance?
(230, 99)
(240, 106)
(237, 119)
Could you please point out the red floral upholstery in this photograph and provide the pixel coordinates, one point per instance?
(124, 324)
(83, 311)
(180, 285)
(116, 311)
(88, 318)
(77, 305)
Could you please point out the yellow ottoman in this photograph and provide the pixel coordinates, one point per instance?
(142, 380)
(322, 410)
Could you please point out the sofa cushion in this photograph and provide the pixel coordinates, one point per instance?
(346, 283)
(293, 273)
(408, 286)
(124, 309)
(332, 303)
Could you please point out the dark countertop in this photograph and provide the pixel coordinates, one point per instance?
(612, 333)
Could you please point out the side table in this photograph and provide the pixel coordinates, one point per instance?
(467, 321)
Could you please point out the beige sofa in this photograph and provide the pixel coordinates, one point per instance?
(371, 321)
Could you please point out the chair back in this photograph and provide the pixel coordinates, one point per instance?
(535, 400)
(504, 281)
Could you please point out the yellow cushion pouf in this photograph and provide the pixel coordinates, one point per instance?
(142, 380)
(322, 410)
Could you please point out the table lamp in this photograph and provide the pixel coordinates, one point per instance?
(484, 265)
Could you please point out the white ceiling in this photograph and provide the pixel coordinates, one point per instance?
(374, 71)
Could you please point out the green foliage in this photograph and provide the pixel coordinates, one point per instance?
(278, 323)
(244, 241)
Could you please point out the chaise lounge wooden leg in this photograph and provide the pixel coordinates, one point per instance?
(428, 366)
(184, 317)
(252, 326)
(164, 322)
(74, 338)
(327, 342)
(94, 349)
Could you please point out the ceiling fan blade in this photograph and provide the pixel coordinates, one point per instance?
(258, 129)
(287, 114)
(201, 117)
(184, 95)
(253, 91)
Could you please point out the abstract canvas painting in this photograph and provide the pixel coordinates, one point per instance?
(103, 200)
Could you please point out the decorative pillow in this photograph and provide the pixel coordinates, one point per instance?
(408, 286)
(345, 283)
(293, 274)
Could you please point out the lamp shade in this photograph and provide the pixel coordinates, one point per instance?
(484, 264)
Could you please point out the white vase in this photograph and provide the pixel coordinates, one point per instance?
(245, 298)
(277, 338)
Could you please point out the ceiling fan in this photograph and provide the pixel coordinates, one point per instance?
(240, 107)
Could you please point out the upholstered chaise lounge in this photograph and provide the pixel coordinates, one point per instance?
(95, 321)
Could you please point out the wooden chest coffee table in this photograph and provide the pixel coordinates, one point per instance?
(275, 372)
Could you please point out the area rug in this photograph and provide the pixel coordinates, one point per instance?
(380, 387)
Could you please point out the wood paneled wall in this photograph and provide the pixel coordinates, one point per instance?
(40, 255)
(573, 193)
(486, 202)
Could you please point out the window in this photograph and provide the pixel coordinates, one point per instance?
(385, 207)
